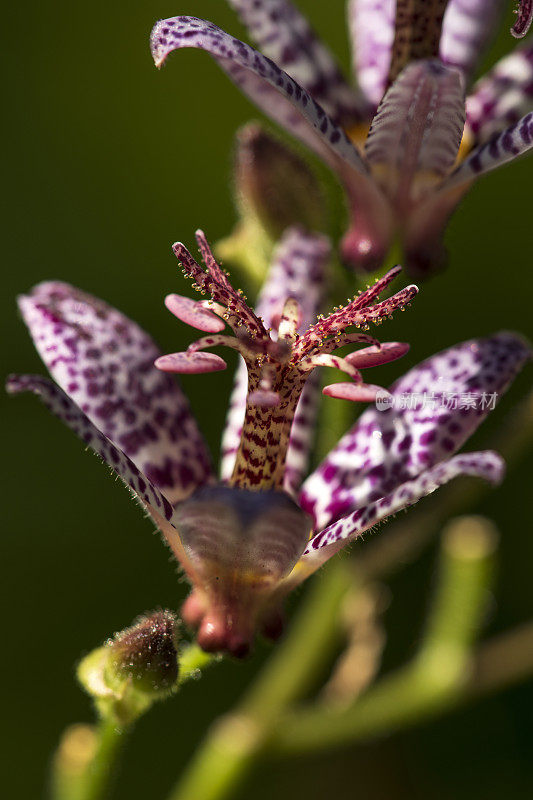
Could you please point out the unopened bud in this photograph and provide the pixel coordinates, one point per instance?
(146, 654)
(275, 184)
(133, 669)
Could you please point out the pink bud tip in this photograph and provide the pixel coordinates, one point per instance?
(190, 363)
(374, 356)
(192, 313)
(264, 398)
(357, 392)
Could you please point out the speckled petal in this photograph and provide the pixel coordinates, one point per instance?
(437, 406)
(298, 271)
(502, 96)
(283, 34)
(268, 86)
(60, 404)
(523, 19)
(416, 133)
(371, 25)
(467, 30)
(499, 150)
(485, 464)
(104, 361)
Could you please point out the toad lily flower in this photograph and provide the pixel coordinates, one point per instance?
(246, 540)
(420, 156)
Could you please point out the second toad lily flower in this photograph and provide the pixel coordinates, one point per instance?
(246, 541)
(423, 149)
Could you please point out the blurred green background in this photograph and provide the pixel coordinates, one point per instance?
(108, 161)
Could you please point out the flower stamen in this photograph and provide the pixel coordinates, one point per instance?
(279, 364)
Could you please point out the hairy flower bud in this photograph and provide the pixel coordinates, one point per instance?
(133, 669)
(275, 184)
(146, 653)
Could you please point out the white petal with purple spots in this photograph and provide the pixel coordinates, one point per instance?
(485, 464)
(503, 147)
(502, 96)
(104, 361)
(283, 34)
(60, 404)
(268, 86)
(371, 25)
(467, 29)
(438, 405)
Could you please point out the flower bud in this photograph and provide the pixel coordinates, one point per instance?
(146, 654)
(274, 184)
(133, 669)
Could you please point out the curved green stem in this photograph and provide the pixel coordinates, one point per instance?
(436, 677)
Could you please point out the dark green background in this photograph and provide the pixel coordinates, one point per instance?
(108, 161)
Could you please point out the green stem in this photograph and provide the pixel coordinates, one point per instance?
(235, 741)
(85, 770)
(437, 675)
(101, 770)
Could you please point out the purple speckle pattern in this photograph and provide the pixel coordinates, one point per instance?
(500, 149)
(285, 35)
(486, 464)
(502, 96)
(104, 362)
(418, 127)
(467, 29)
(387, 448)
(68, 412)
(298, 270)
(371, 26)
(268, 86)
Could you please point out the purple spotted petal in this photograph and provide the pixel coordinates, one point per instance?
(467, 29)
(298, 271)
(499, 150)
(371, 25)
(104, 362)
(283, 34)
(285, 101)
(502, 96)
(416, 133)
(523, 19)
(60, 404)
(268, 86)
(437, 406)
(486, 464)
